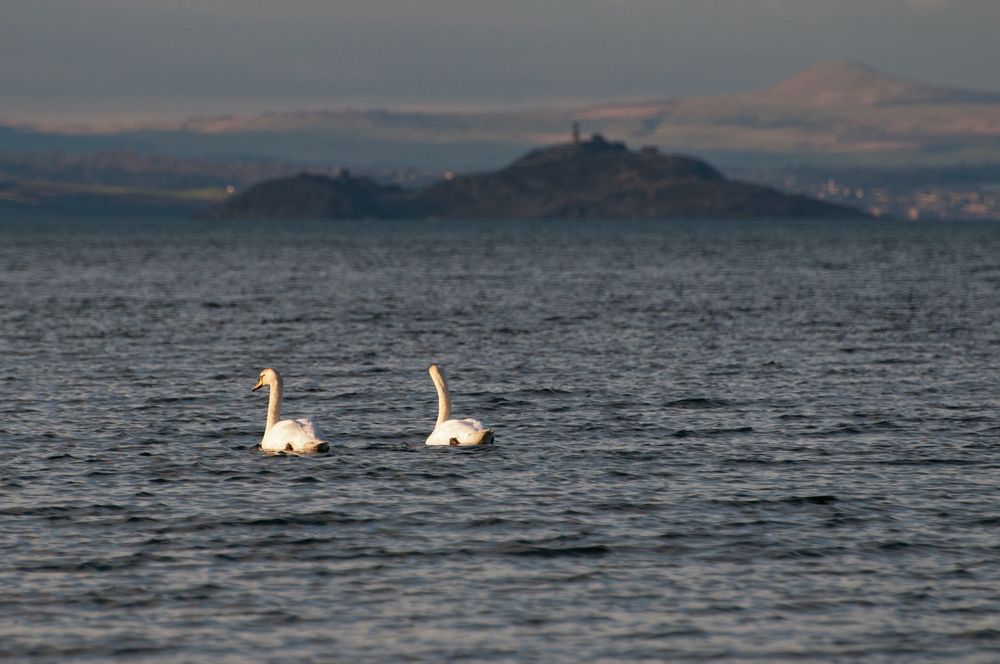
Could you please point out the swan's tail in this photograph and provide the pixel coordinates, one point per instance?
(307, 446)
(483, 437)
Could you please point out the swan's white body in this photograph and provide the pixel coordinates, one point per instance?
(302, 436)
(449, 431)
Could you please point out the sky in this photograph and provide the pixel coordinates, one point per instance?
(136, 60)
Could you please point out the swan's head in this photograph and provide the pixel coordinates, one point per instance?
(267, 377)
(434, 371)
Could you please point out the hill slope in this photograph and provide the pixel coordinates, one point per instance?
(840, 84)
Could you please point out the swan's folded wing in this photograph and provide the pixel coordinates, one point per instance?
(310, 429)
(457, 432)
(294, 432)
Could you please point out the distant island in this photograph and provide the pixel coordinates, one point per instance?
(595, 178)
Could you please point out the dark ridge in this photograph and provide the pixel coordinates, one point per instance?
(811, 500)
(588, 179)
(685, 433)
(823, 499)
(696, 403)
(555, 552)
(308, 196)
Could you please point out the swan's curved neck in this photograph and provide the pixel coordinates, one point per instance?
(273, 405)
(444, 399)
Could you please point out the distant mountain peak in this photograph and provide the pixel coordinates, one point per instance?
(841, 83)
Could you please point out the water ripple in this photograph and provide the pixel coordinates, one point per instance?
(741, 441)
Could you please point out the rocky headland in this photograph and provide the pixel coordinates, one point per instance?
(582, 179)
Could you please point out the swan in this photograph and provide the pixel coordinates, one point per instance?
(286, 435)
(454, 432)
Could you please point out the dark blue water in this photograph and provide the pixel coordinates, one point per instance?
(756, 441)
